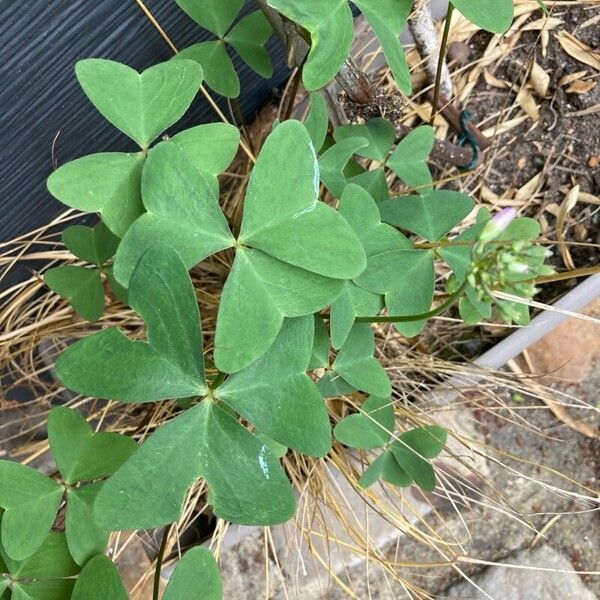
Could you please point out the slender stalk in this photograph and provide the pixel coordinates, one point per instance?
(420, 317)
(440, 65)
(159, 560)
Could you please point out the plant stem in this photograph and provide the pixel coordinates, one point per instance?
(420, 317)
(440, 65)
(159, 561)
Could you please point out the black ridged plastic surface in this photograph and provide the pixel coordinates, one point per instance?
(39, 95)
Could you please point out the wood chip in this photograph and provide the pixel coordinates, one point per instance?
(578, 50)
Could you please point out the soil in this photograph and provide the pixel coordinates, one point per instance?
(564, 144)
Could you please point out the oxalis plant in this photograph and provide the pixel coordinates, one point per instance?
(321, 252)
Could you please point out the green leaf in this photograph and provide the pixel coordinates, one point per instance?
(82, 287)
(386, 468)
(276, 395)
(196, 575)
(373, 182)
(430, 215)
(412, 450)
(370, 428)
(249, 37)
(150, 488)
(377, 238)
(84, 537)
(108, 183)
(317, 120)
(351, 303)
(319, 358)
(407, 277)
(409, 159)
(169, 365)
(141, 105)
(331, 28)
(31, 501)
(183, 213)
(92, 244)
(50, 561)
(81, 454)
(51, 589)
(387, 19)
(211, 148)
(219, 72)
(283, 219)
(332, 384)
(120, 292)
(379, 133)
(278, 450)
(334, 160)
(492, 15)
(100, 580)
(278, 209)
(470, 313)
(214, 15)
(259, 292)
(356, 364)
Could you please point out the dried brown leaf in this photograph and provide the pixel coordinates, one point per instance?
(578, 50)
(527, 103)
(539, 80)
(566, 207)
(570, 77)
(581, 87)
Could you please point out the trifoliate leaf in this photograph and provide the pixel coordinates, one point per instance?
(92, 244)
(409, 159)
(293, 252)
(370, 428)
(386, 468)
(248, 38)
(80, 286)
(356, 364)
(276, 395)
(107, 183)
(204, 442)
(141, 105)
(81, 454)
(351, 303)
(219, 72)
(169, 364)
(214, 15)
(379, 133)
(195, 576)
(334, 160)
(30, 501)
(373, 182)
(430, 215)
(492, 15)
(99, 580)
(414, 448)
(182, 212)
